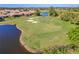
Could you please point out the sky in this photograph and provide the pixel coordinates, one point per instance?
(38, 5)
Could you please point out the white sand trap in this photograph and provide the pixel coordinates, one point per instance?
(30, 20)
(35, 22)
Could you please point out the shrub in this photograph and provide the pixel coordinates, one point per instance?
(56, 50)
(72, 17)
(74, 36)
(2, 19)
(75, 20)
(66, 16)
(74, 9)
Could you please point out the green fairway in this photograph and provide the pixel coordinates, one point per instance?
(47, 32)
(42, 32)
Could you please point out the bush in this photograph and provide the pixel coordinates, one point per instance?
(2, 19)
(75, 20)
(72, 17)
(74, 9)
(66, 16)
(74, 36)
(62, 49)
(56, 50)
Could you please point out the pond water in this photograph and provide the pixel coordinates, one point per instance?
(9, 39)
(44, 14)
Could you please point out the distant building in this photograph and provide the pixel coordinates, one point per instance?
(15, 12)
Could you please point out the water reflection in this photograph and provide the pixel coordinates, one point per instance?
(9, 39)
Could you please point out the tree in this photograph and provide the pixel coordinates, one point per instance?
(37, 13)
(1, 19)
(52, 12)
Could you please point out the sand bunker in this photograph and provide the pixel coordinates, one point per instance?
(32, 21)
(35, 22)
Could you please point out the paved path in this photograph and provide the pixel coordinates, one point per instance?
(9, 40)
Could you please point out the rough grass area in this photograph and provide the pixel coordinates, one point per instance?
(47, 32)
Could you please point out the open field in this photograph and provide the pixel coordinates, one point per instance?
(41, 33)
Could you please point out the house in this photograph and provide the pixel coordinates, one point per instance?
(16, 12)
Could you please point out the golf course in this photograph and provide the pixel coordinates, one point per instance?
(41, 34)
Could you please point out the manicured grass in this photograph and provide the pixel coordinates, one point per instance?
(47, 32)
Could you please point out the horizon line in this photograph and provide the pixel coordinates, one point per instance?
(36, 5)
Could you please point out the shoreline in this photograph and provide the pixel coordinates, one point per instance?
(23, 45)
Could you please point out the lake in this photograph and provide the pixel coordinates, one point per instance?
(9, 39)
(44, 14)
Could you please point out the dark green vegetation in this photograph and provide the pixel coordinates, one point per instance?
(7, 18)
(52, 12)
(73, 9)
(71, 17)
(37, 13)
(74, 36)
(56, 33)
(1, 19)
